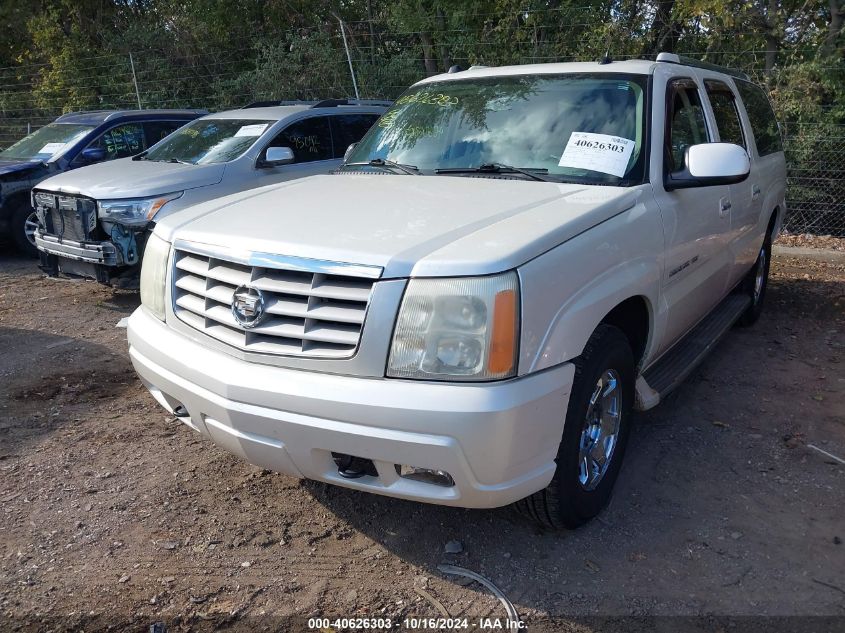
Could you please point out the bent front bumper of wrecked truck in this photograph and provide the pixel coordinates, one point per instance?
(102, 253)
(498, 440)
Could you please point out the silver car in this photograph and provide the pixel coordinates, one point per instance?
(94, 221)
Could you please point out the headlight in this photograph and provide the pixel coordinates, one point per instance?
(154, 275)
(457, 329)
(133, 212)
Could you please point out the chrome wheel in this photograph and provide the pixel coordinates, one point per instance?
(29, 226)
(760, 277)
(601, 430)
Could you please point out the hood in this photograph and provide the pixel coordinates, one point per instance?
(127, 178)
(408, 225)
(13, 166)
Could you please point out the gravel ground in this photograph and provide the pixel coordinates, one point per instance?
(114, 514)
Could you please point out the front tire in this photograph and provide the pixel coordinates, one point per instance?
(595, 434)
(24, 223)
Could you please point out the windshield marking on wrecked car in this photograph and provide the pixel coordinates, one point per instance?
(46, 142)
(207, 141)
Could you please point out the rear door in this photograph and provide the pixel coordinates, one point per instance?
(745, 196)
(154, 131)
(348, 129)
(768, 168)
(696, 221)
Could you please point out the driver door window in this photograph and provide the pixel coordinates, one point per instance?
(310, 140)
(685, 122)
(121, 141)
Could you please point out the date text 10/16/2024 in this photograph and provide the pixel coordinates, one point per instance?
(331, 625)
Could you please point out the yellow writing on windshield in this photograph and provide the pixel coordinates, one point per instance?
(428, 98)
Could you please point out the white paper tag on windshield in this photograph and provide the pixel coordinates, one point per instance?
(597, 152)
(51, 148)
(256, 129)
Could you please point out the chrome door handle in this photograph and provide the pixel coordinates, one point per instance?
(724, 207)
(755, 192)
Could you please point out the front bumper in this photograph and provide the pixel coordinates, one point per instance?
(498, 441)
(103, 253)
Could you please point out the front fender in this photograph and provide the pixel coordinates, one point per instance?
(569, 290)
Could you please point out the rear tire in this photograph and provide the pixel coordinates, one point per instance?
(24, 222)
(755, 283)
(602, 397)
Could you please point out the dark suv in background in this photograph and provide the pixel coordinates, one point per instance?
(73, 140)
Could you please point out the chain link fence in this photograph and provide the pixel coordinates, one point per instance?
(816, 179)
(815, 153)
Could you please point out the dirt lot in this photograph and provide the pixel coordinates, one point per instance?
(112, 513)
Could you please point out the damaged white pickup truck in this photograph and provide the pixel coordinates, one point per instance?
(470, 309)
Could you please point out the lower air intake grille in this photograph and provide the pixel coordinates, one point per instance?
(305, 313)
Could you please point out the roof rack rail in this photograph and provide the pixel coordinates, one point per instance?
(333, 103)
(672, 58)
(163, 111)
(77, 112)
(276, 102)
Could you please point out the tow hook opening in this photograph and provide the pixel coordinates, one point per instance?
(352, 467)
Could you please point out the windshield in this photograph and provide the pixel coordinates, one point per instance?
(208, 141)
(573, 127)
(46, 142)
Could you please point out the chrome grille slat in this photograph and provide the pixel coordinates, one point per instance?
(193, 264)
(315, 314)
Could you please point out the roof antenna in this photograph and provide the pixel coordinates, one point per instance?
(606, 59)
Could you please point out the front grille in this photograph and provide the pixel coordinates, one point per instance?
(66, 217)
(307, 313)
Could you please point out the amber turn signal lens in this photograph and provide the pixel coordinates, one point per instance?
(503, 339)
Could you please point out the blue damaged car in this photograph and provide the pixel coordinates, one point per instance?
(73, 140)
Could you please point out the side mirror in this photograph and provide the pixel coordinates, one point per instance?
(93, 154)
(349, 151)
(710, 164)
(275, 156)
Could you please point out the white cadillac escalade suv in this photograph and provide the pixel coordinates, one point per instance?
(471, 308)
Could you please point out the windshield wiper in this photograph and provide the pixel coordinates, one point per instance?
(412, 170)
(499, 168)
(141, 156)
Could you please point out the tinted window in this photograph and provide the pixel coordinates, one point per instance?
(762, 118)
(687, 125)
(121, 141)
(348, 129)
(154, 131)
(310, 140)
(724, 108)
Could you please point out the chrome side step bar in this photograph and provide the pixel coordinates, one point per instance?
(680, 361)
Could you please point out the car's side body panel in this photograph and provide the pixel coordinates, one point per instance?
(569, 290)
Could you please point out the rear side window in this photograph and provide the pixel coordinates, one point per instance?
(157, 130)
(686, 123)
(762, 117)
(310, 140)
(121, 141)
(348, 129)
(724, 108)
